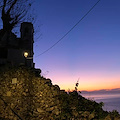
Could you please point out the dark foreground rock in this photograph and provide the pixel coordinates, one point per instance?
(27, 96)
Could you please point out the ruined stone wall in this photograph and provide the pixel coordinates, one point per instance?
(27, 97)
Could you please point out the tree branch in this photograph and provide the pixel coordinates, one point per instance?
(14, 2)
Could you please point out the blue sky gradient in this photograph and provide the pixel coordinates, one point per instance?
(91, 51)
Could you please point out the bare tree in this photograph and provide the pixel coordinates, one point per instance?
(13, 12)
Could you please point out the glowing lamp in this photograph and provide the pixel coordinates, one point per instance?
(26, 54)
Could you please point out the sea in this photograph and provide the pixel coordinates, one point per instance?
(111, 101)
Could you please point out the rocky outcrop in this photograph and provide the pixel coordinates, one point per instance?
(24, 95)
(30, 97)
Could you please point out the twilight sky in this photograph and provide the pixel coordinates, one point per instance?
(90, 52)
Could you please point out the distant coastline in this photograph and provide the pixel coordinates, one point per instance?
(103, 91)
(110, 98)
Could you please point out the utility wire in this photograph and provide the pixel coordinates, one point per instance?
(69, 30)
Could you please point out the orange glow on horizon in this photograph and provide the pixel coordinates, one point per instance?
(87, 87)
(88, 81)
(90, 85)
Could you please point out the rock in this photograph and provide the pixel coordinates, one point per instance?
(24, 93)
(8, 93)
(13, 87)
(14, 80)
(40, 110)
(26, 90)
(56, 111)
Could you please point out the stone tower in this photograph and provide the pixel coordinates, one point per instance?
(27, 31)
(17, 51)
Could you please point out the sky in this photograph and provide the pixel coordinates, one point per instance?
(90, 52)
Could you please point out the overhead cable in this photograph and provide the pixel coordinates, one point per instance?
(69, 30)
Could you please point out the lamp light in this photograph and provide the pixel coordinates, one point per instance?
(26, 54)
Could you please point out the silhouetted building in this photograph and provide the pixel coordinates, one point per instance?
(17, 51)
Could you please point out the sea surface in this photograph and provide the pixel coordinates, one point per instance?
(111, 101)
